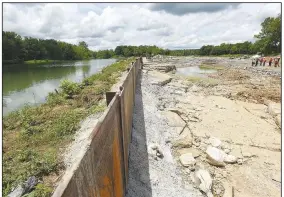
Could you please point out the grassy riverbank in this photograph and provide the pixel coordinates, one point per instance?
(35, 136)
(42, 62)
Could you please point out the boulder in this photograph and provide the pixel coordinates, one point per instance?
(215, 156)
(204, 181)
(184, 140)
(187, 160)
(230, 159)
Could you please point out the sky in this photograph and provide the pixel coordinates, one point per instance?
(167, 25)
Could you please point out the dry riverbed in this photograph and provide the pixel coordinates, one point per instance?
(215, 134)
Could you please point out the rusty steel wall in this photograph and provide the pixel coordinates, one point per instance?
(102, 170)
(127, 99)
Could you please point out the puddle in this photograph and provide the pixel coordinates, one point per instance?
(194, 71)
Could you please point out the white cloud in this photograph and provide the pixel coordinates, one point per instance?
(105, 26)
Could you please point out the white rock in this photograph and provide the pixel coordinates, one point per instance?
(204, 180)
(17, 192)
(274, 108)
(230, 159)
(227, 151)
(215, 156)
(184, 140)
(195, 152)
(215, 141)
(240, 161)
(187, 160)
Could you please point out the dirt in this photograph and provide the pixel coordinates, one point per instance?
(233, 110)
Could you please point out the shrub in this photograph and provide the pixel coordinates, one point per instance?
(70, 88)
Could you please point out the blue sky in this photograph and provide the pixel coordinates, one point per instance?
(167, 25)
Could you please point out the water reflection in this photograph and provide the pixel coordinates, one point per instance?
(194, 71)
(31, 84)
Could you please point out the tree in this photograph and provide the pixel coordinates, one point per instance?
(270, 35)
(83, 44)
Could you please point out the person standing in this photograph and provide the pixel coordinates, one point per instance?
(256, 61)
(253, 62)
(260, 61)
(270, 61)
(264, 60)
(276, 62)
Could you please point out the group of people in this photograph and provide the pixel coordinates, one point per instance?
(262, 61)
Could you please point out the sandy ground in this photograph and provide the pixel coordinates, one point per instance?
(231, 106)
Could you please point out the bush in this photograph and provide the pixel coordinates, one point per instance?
(70, 88)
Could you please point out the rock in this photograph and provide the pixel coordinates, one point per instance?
(274, 108)
(159, 153)
(195, 153)
(187, 160)
(204, 181)
(240, 161)
(174, 120)
(160, 78)
(215, 156)
(215, 142)
(230, 159)
(30, 184)
(18, 192)
(184, 140)
(227, 151)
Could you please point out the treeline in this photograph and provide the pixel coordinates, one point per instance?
(18, 49)
(268, 42)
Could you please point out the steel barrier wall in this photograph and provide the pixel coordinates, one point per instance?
(102, 170)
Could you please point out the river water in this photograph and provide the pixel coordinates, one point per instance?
(23, 84)
(195, 71)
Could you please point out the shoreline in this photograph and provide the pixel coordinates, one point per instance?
(35, 137)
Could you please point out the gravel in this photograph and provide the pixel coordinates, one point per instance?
(149, 175)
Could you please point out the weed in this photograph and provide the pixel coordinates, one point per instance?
(70, 88)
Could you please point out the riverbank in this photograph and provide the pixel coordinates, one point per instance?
(35, 62)
(34, 138)
(178, 121)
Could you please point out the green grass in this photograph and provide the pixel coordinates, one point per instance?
(210, 67)
(34, 136)
(42, 62)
